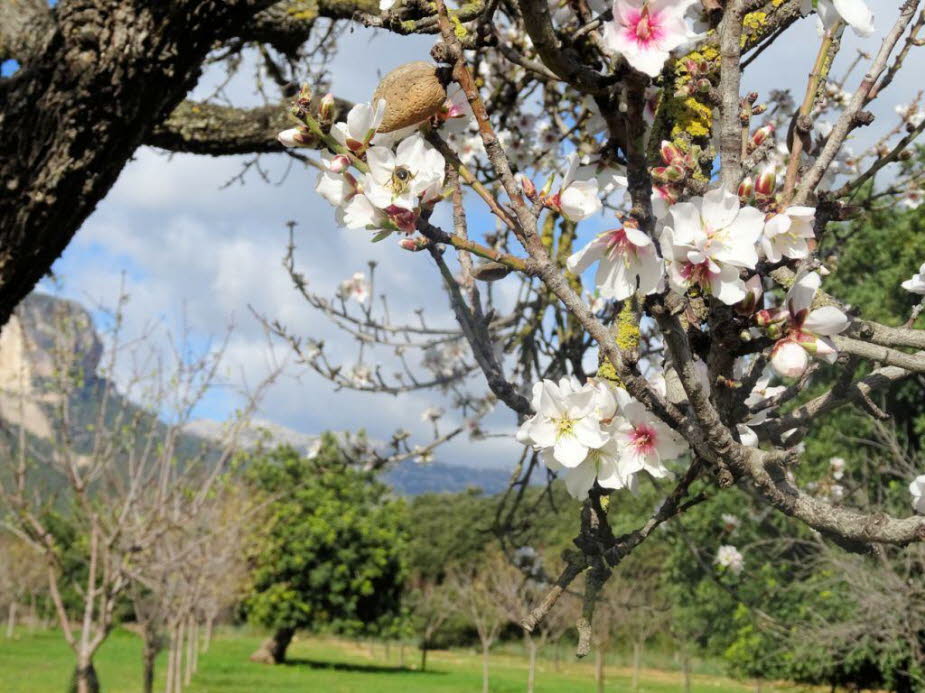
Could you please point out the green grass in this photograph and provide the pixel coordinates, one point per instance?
(40, 662)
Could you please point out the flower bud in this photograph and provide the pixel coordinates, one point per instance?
(746, 189)
(767, 181)
(766, 318)
(305, 96)
(294, 137)
(703, 85)
(527, 185)
(789, 359)
(326, 107)
(413, 245)
(668, 174)
(761, 134)
(670, 152)
(338, 164)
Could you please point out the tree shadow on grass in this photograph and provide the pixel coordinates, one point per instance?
(357, 668)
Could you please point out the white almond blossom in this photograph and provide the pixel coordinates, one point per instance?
(837, 465)
(356, 288)
(910, 113)
(707, 240)
(730, 521)
(855, 13)
(805, 331)
(633, 440)
(917, 283)
(789, 234)
(645, 440)
(432, 414)
(646, 31)
(399, 179)
(759, 395)
(361, 376)
(577, 199)
(567, 420)
(360, 213)
(917, 489)
(729, 557)
(625, 256)
(362, 122)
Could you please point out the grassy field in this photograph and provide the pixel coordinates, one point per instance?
(40, 663)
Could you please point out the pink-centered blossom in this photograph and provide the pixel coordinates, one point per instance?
(625, 256)
(708, 240)
(567, 420)
(805, 332)
(646, 31)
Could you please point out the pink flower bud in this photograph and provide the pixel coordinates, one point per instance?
(746, 188)
(762, 133)
(668, 174)
(670, 152)
(789, 359)
(413, 245)
(767, 181)
(527, 186)
(339, 164)
(768, 318)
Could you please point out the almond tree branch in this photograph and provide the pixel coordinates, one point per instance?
(849, 119)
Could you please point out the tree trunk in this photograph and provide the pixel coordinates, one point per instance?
(637, 661)
(85, 680)
(273, 649)
(599, 668)
(188, 670)
(423, 658)
(11, 619)
(207, 640)
(401, 654)
(531, 659)
(485, 648)
(178, 661)
(388, 650)
(557, 656)
(194, 647)
(686, 671)
(171, 660)
(151, 645)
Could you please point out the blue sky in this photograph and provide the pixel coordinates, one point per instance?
(191, 250)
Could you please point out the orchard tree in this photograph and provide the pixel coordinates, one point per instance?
(712, 301)
(330, 553)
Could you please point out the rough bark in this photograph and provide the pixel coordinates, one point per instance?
(85, 679)
(151, 646)
(273, 649)
(97, 77)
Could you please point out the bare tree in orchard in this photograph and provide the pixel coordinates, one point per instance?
(102, 477)
(679, 343)
(475, 593)
(22, 580)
